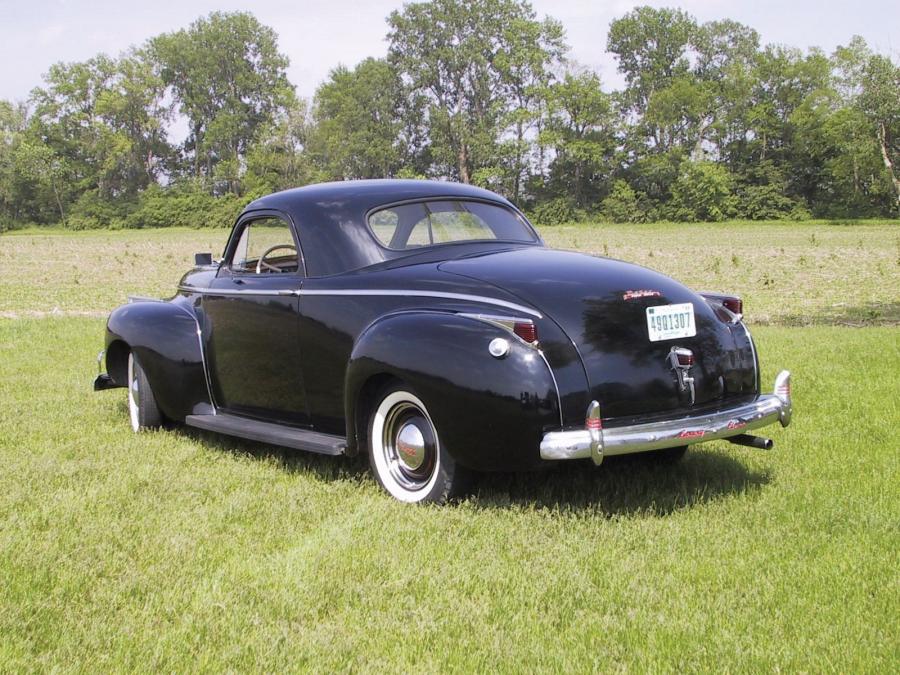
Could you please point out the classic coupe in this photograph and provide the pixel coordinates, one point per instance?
(426, 324)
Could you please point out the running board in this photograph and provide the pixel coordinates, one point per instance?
(268, 432)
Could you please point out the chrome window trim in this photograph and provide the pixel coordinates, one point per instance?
(537, 240)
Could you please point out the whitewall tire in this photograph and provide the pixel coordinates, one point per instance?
(142, 408)
(405, 451)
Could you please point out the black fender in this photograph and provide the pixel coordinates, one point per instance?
(164, 337)
(490, 413)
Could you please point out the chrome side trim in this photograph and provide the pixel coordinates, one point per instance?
(555, 385)
(507, 323)
(223, 291)
(599, 443)
(752, 350)
(370, 292)
(422, 294)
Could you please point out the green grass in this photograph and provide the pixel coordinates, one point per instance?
(179, 550)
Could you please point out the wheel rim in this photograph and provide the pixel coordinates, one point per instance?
(134, 394)
(406, 449)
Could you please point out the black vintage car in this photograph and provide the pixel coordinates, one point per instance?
(426, 324)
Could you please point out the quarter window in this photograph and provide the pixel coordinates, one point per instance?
(265, 246)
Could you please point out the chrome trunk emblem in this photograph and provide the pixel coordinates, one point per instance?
(681, 360)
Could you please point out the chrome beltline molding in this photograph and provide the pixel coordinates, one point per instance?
(371, 292)
(424, 294)
(225, 291)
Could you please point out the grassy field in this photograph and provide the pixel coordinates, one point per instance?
(178, 550)
(787, 273)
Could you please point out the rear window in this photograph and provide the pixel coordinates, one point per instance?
(409, 226)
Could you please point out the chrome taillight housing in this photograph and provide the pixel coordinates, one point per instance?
(524, 329)
(732, 304)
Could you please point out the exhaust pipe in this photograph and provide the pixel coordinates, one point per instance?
(752, 441)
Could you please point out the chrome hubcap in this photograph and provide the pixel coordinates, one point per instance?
(410, 447)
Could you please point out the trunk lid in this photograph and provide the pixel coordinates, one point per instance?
(601, 305)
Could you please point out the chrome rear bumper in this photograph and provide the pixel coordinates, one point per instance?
(595, 442)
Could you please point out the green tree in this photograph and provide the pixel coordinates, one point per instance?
(13, 119)
(466, 59)
(279, 160)
(528, 54)
(879, 101)
(358, 127)
(703, 191)
(651, 47)
(581, 129)
(229, 80)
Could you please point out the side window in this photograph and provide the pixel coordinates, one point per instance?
(265, 247)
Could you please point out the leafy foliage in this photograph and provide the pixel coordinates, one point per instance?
(711, 124)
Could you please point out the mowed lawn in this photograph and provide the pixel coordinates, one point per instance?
(178, 550)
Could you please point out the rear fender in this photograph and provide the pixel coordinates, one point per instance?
(164, 338)
(491, 413)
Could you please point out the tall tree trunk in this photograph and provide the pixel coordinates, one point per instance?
(197, 151)
(464, 164)
(888, 164)
(62, 212)
(520, 133)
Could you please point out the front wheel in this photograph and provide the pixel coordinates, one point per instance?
(406, 453)
(142, 408)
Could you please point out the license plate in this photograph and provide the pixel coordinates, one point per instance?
(668, 322)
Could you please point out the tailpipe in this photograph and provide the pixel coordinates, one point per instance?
(752, 441)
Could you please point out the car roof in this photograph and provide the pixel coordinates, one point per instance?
(330, 218)
(369, 194)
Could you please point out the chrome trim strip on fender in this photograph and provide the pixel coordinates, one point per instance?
(752, 350)
(555, 385)
(370, 292)
(423, 294)
(584, 443)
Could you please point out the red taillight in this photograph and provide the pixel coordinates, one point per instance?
(733, 305)
(526, 330)
(685, 358)
(593, 424)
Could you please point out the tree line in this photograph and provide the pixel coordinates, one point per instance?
(710, 124)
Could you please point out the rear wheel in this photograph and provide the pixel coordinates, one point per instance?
(142, 408)
(406, 453)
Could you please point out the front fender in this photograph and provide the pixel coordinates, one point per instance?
(490, 413)
(164, 338)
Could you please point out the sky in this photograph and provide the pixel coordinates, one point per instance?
(319, 34)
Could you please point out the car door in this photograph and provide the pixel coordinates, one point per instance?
(250, 322)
